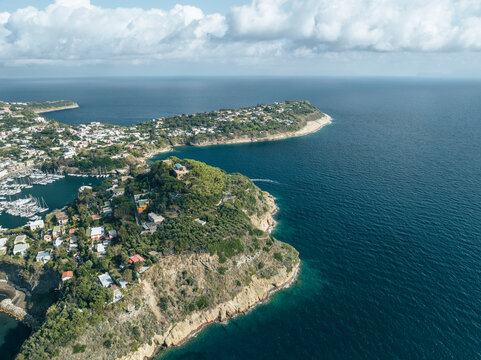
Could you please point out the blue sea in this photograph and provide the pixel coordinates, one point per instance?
(384, 206)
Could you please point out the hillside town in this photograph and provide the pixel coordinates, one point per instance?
(28, 140)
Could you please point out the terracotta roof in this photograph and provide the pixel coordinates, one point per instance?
(67, 274)
(136, 258)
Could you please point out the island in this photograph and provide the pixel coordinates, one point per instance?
(139, 263)
(154, 252)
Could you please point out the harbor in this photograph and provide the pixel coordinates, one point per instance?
(34, 201)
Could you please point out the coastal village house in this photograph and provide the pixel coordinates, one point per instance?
(20, 245)
(62, 218)
(156, 219)
(106, 280)
(135, 259)
(44, 256)
(180, 170)
(67, 275)
(97, 233)
(142, 205)
(37, 224)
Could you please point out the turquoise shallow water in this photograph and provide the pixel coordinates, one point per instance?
(383, 206)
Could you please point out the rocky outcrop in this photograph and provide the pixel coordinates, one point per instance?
(258, 291)
(266, 222)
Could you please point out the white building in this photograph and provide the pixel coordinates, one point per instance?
(105, 280)
(20, 249)
(35, 225)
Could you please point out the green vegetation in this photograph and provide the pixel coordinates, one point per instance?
(206, 210)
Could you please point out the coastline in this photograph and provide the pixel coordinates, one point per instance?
(256, 293)
(310, 127)
(42, 111)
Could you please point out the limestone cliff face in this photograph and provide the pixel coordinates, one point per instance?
(266, 222)
(258, 291)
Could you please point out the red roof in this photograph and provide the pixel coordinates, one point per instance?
(135, 258)
(67, 274)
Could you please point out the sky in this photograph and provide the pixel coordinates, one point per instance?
(425, 38)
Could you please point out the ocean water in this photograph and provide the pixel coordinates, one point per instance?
(383, 206)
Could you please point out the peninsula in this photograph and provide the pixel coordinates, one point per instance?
(28, 140)
(157, 250)
(141, 262)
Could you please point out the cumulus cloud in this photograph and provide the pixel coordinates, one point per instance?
(76, 31)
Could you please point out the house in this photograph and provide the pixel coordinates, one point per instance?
(180, 170)
(201, 222)
(72, 243)
(57, 242)
(20, 239)
(20, 249)
(135, 258)
(96, 233)
(57, 231)
(105, 280)
(67, 275)
(156, 219)
(142, 205)
(62, 218)
(96, 217)
(35, 225)
(72, 231)
(112, 234)
(44, 256)
(101, 248)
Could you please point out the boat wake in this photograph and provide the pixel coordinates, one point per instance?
(266, 180)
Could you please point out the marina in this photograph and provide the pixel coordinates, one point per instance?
(33, 200)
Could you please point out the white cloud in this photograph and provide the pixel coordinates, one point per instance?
(75, 31)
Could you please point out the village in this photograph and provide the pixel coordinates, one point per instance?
(57, 238)
(28, 140)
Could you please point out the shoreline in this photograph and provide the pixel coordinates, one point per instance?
(47, 110)
(219, 314)
(244, 302)
(310, 128)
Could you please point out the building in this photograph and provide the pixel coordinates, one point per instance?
(67, 275)
(142, 205)
(57, 231)
(97, 233)
(20, 249)
(20, 239)
(180, 170)
(135, 258)
(156, 219)
(101, 248)
(62, 218)
(35, 225)
(44, 256)
(201, 222)
(112, 234)
(57, 242)
(105, 280)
